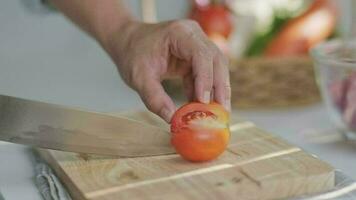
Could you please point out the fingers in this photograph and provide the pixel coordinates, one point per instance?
(209, 68)
(210, 72)
(189, 43)
(188, 86)
(202, 69)
(157, 100)
(222, 89)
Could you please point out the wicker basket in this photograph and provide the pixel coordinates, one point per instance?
(267, 82)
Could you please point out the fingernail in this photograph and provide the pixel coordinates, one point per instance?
(206, 97)
(167, 114)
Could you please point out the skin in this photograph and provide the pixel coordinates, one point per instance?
(145, 54)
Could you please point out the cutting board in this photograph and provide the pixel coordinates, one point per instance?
(256, 165)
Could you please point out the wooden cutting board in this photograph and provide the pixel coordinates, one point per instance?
(257, 165)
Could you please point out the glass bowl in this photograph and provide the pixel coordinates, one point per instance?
(335, 67)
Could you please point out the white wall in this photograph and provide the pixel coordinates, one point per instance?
(44, 57)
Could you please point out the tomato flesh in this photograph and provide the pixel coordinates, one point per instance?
(200, 132)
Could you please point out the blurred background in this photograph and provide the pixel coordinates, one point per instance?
(274, 83)
(44, 57)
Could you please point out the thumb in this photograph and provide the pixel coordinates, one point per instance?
(157, 100)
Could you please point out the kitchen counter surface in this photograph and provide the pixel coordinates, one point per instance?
(45, 58)
(297, 126)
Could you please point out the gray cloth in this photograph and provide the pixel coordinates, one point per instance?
(47, 182)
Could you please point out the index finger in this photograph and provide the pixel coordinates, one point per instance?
(221, 84)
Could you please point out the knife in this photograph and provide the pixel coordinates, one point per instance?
(57, 127)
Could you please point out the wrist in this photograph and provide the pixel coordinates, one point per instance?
(118, 39)
(106, 30)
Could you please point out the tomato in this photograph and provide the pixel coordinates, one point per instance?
(213, 19)
(200, 132)
(303, 32)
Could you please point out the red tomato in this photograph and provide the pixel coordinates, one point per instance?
(200, 132)
(213, 19)
(303, 32)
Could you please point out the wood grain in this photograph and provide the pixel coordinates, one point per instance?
(257, 165)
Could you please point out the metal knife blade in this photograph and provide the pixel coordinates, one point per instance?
(57, 127)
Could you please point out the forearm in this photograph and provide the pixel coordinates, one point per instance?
(100, 18)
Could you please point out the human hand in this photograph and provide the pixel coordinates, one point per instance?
(145, 54)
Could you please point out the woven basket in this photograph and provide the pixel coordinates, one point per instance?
(267, 82)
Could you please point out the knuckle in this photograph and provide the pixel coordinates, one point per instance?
(220, 56)
(134, 75)
(223, 57)
(215, 51)
(178, 24)
(221, 64)
(204, 52)
(150, 101)
(224, 60)
(185, 25)
(188, 22)
(206, 77)
(175, 24)
(213, 46)
(192, 23)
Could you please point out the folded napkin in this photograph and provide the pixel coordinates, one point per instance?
(47, 182)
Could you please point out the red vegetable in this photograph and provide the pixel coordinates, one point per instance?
(200, 132)
(214, 19)
(303, 32)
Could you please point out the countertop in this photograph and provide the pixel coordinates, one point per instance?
(46, 58)
(294, 125)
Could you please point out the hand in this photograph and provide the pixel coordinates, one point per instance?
(145, 54)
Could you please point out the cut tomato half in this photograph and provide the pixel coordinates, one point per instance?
(200, 132)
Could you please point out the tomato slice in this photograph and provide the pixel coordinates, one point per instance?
(200, 132)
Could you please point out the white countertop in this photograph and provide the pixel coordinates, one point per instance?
(45, 58)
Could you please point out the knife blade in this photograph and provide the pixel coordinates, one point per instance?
(58, 127)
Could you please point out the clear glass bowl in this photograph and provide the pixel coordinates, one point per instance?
(335, 67)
